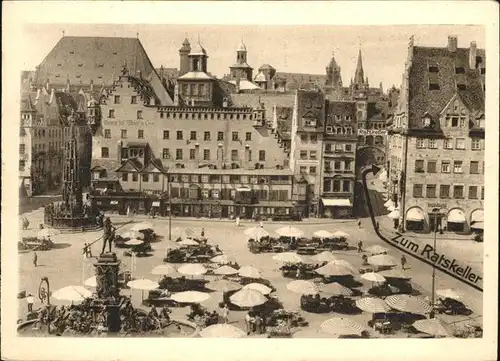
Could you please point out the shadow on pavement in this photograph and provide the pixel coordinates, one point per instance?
(61, 245)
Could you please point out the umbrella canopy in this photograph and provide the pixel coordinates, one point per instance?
(325, 256)
(289, 231)
(163, 269)
(143, 284)
(222, 330)
(382, 260)
(395, 273)
(259, 287)
(132, 234)
(226, 270)
(256, 232)
(334, 270)
(340, 234)
(394, 214)
(343, 262)
(91, 282)
(323, 234)
(335, 289)
(134, 242)
(449, 293)
(303, 287)
(289, 257)
(391, 208)
(220, 259)
(249, 272)
(188, 242)
(376, 250)
(141, 226)
(192, 269)
(47, 233)
(388, 203)
(248, 298)
(223, 286)
(373, 305)
(372, 276)
(190, 297)
(341, 326)
(433, 327)
(72, 293)
(408, 303)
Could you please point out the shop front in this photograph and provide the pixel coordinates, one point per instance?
(415, 220)
(336, 208)
(456, 221)
(477, 221)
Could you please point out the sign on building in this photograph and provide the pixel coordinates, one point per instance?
(372, 132)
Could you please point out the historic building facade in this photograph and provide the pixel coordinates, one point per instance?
(437, 145)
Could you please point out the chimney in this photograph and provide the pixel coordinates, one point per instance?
(52, 96)
(472, 55)
(452, 44)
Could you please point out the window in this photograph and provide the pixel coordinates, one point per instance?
(140, 134)
(431, 166)
(432, 144)
(448, 144)
(445, 166)
(312, 170)
(206, 154)
(460, 143)
(125, 177)
(444, 191)
(458, 191)
(420, 143)
(220, 135)
(314, 138)
(192, 135)
(248, 136)
(327, 185)
(235, 136)
(459, 70)
(249, 152)
(482, 192)
(303, 154)
(156, 177)
(123, 133)
(262, 155)
(192, 154)
(107, 133)
(206, 136)
(178, 154)
(234, 154)
(347, 165)
(454, 121)
(457, 166)
(22, 165)
(22, 148)
(134, 177)
(133, 99)
(419, 166)
(111, 113)
(303, 138)
(476, 144)
(474, 167)
(336, 185)
(433, 69)
(336, 164)
(117, 99)
(312, 154)
(179, 135)
(472, 192)
(166, 153)
(303, 169)
(431, 191)
(417, 190)
(139, 114)
(104, 152)
(145, 177)
(348, 148)
(346, 186)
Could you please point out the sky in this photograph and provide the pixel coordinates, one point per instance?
(304, 49)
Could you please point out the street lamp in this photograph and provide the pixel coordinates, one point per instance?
(169, 210)
(435, 214)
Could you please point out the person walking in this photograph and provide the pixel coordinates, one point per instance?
(87, 251)
(128, 211)
(237, 221)
(359, 223)
(403, 262)
(261, 224)
(360, 246)
(202, 232)
(225, 313)
(35, 259)
(30, 300)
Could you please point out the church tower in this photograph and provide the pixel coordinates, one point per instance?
(184, 57)
(333, 76)
(241, 70)
(359, 76)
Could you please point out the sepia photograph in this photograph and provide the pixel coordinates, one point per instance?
(266, 181)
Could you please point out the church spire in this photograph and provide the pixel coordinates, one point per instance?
(359, 76)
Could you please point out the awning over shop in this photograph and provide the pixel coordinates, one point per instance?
(415, 215)
(477, 219)
(456, 216)
(336, 202)
(155, 204)
(243, 189)
(113, 202)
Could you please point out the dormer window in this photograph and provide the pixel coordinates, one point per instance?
(115, 53)
(483, 71)
(71, 52)
(433, 69)
(80, 65)
(59, 64)
(338, 118)
(461, 86)
(434, 86)
(426, 121)
(459, 70)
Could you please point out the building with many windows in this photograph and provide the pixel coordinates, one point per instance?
(437, 144)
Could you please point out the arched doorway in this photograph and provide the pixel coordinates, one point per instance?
(415, 219)
(477, 220)
(456, 220)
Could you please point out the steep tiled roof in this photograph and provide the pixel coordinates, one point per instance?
(269, 100)
(195, 75)
(27, 104)
(341, 108)
(284, 119)
(300, 80)
(422, 100)
(377, 111)
(266, 67)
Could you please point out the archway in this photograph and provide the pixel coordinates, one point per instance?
(455, 220)
(477, 220)
(369, 140)
(415, 219)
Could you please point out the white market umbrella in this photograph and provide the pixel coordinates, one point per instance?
(325, 256)
(323, 234)
(449, 293)
(382, 260)
(394, 214)
(226, 271)
(220, 259)
(248, 298)
(341, 326)
(343, 262)
(222, 330)
(188, 242)
(372, 305)
(372, 276)
(47, 233)
(335, 289)
(408, 303)
(395, 273)
(72, 293)
(289, 231)
(376, 250)
(303, 287)
(134, 242)
(258, 287)
(383, 176)
(141, 226)
(223, 286)
(340, 234)
(143, 284)
(192, 269)
(334, 270)
(434, 327)
(132, 235)
(389, 203)
(249, 272)
(163, 269)
(190, 297)
(91, 282)
(289, 257)
(256, 232)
